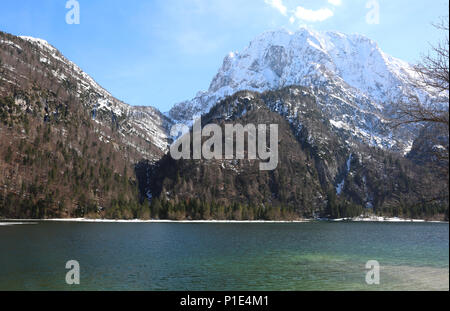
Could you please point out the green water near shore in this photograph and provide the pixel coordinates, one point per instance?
(225, 256)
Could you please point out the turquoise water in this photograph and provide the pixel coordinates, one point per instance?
(230, 256)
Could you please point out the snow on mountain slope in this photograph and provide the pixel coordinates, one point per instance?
(144, 123)
(353, 79)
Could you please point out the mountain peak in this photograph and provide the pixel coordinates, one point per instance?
(279, 58)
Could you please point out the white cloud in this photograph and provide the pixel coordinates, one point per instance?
(303, 13)
(278, 4)
(313, 15)
(335, 2)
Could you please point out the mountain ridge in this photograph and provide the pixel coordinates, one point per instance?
(142, 121)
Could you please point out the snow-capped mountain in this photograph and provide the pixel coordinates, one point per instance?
(354, 80)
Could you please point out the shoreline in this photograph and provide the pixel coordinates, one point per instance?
(86, 220)
(4, 222)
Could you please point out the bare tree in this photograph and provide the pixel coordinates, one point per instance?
(431, 112)
(433, 77)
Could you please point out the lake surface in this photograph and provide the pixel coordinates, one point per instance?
(227, 256)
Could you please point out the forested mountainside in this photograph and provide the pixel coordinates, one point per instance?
(68, 148)
(320, 171)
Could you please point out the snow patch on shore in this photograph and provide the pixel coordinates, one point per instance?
(17, 223)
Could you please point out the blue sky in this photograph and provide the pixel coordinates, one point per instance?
(160, 52)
